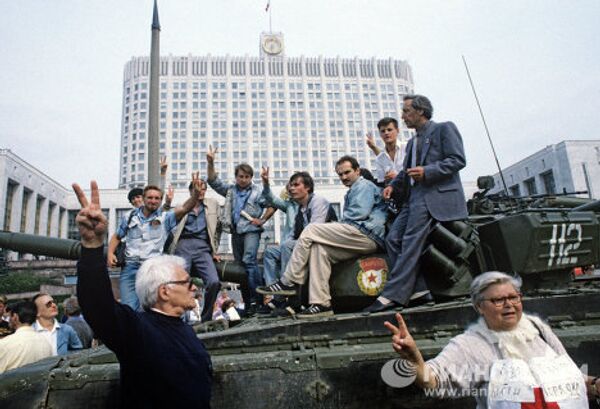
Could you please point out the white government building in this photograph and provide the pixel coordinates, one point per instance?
(290, 113)
(299, 113)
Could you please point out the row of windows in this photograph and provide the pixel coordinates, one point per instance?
(294, 67)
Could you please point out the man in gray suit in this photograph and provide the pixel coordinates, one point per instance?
(434, 192)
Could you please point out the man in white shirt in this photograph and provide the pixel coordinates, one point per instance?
(389, 161)
(25, 345)
(61, 337)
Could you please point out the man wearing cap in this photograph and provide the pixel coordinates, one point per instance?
(145, 232)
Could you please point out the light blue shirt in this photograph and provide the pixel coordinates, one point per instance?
(146, 236)
(365, 209)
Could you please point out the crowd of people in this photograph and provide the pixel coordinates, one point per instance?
(161, 358)
(33, 331)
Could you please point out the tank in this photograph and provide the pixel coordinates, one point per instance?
(336, 362)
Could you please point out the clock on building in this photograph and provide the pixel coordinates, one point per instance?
(271, 44)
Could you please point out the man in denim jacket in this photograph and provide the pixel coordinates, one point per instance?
(242, 215)
(361, 231)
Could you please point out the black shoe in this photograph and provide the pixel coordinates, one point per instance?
(250, 311)
(316, 311)
(378, 306)
(265, 309)
(277, 288)
(283, 312)
(424, 299)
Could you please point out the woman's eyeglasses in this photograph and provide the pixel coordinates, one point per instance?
(499, 302)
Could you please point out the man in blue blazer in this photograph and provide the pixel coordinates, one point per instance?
(433, 191)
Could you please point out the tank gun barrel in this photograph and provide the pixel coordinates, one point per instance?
(593, 206)
(41, 245)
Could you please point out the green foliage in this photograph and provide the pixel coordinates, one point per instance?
(22, 282)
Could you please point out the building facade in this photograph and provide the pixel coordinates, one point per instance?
(288, 113)
(568, 166)
(32, 202)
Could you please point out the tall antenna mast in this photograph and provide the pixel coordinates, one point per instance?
(268, 8)
(486, 127)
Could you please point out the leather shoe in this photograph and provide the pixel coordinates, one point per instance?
(425, 299)
(378, 306)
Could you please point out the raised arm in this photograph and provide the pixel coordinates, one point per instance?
(109, 320)
(267, 193)
(210, 161)
(163, 172)
(371, 144)
(111, 257)
(404, 344)
(189, 204)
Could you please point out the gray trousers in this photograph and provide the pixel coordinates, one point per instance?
(318, 247)
(199, 261)
(405, 243)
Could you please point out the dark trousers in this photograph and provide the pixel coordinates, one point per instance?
(405, 243)
(245, 250)
(198, 258)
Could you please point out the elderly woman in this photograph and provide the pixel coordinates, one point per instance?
(506, 358)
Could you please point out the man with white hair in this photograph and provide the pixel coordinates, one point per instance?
(163, 363)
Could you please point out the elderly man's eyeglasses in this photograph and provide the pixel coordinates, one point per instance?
(189, 282)
(500, 301)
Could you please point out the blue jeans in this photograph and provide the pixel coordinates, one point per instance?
(127, 285)
(245, 249)
(275, 260)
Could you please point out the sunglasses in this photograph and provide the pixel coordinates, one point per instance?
(50, 304)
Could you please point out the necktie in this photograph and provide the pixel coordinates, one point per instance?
(413, 156)
(298, 224)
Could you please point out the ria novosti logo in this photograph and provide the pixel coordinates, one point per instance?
(398, 373)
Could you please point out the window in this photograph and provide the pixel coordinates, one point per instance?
(10, 192)
(548, 181)
(24, 208)
(515, 191)
(530, 186)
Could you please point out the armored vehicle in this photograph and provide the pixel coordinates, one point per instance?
(336, 362)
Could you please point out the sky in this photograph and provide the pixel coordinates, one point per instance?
(535, 64)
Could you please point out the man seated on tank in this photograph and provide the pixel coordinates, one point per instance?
(360, 231)
(163, 364)
(145, 232)
(304, 208)
(25, 346)
(507, 359)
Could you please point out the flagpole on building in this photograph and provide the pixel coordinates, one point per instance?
(268, 8)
